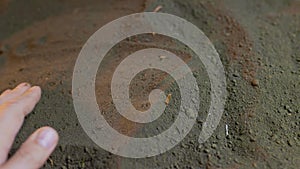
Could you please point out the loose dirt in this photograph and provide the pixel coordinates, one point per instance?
(259, 45)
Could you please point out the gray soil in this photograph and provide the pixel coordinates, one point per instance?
(259, 45)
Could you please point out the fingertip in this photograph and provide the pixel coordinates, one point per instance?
(6, 91)
(24, 84)
(47, 137)
(36, 89)
(36, 92)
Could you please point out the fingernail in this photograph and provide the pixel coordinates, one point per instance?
(46, 138)
(35, 89)
(24, 85)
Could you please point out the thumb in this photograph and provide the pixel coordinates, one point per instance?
(34, 151)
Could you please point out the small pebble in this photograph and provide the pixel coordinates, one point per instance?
(252, 139)
(206, 150)
(214, 146)
(235, 75)
(254, 82)
(290, 143)
(162, 57)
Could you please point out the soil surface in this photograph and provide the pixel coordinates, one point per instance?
(258, 42)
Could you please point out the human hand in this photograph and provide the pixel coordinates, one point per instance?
(14, 106)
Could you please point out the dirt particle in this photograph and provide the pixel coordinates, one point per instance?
(168, 99)
(51, 162)
(158, 8)
(162, 57)
(255, 82)
(206, 150)
(51, 83)
(235, 75)
(214, 146)
(288, 108)
(254, 165)
(87, 150)
(290, 143)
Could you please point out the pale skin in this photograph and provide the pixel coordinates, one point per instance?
(15, 104)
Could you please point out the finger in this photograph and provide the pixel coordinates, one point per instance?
(5, 93)
(12, 114)
(19, 90)
(35, 150)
